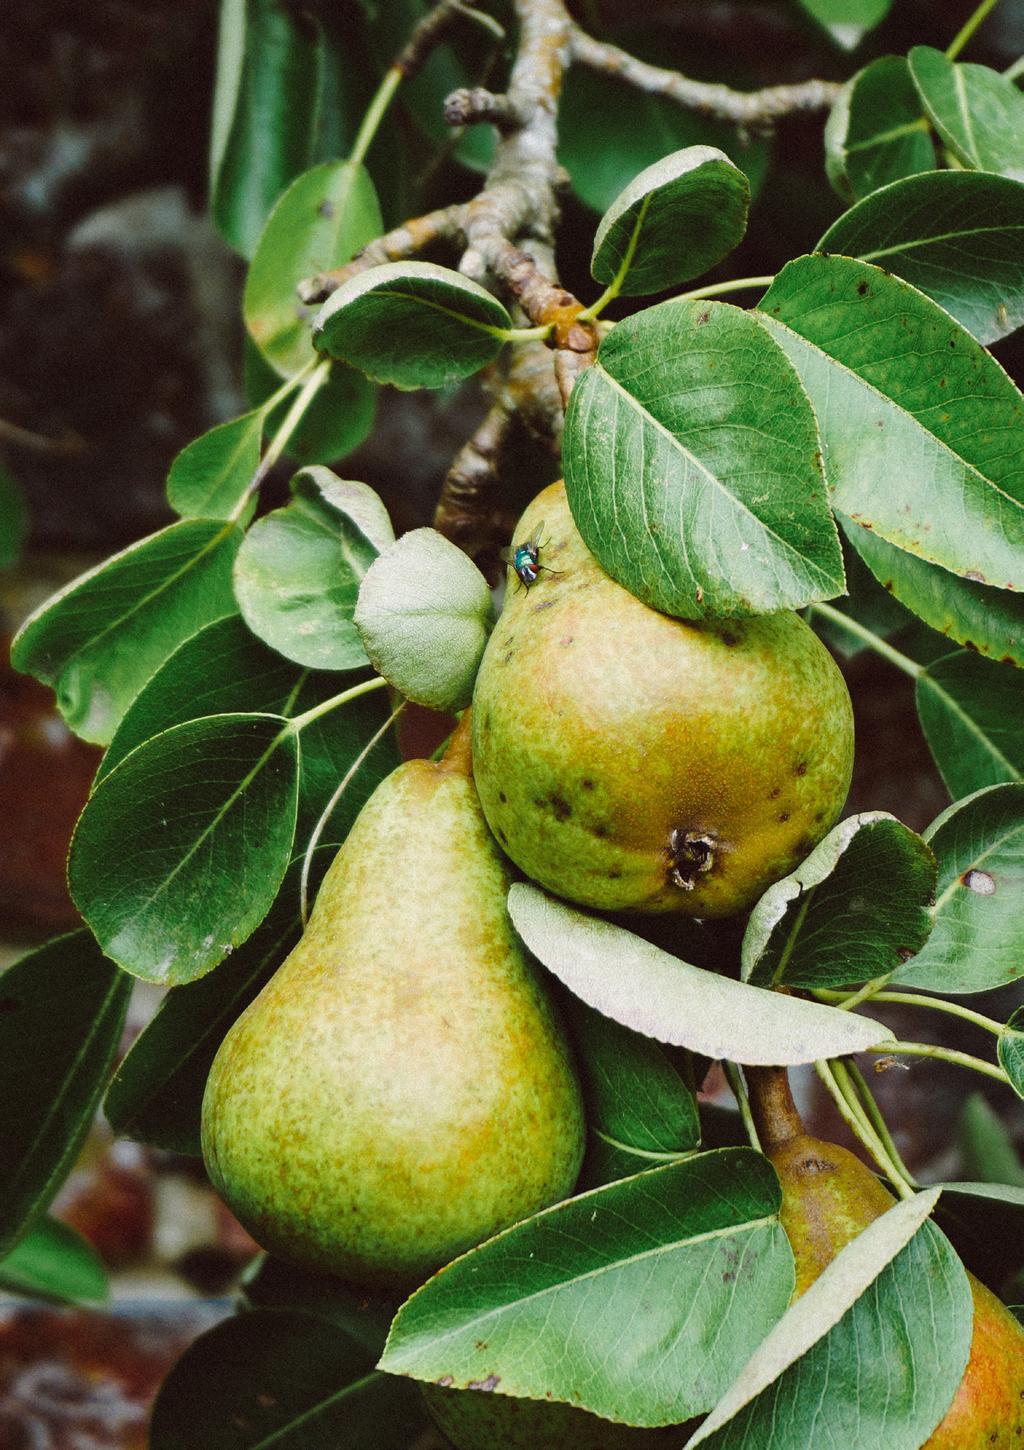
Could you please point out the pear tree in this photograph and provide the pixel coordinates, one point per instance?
(444, 1030)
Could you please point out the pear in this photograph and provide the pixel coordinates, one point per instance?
(828, 1197)
(629, 761)
(472, 1420)
(401, 1088)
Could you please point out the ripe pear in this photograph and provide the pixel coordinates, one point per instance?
(633, 762)
(828, 1197)
(401, 1088)
(473, 1420)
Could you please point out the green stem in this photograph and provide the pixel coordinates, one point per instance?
(855, 1118)
(968, 28)
(719, 289)
(481, 18)
(916, 999)
(589, 314)
(288, 386)
(314, 382)
(873, 641)
(734, 1078)
(944, 1054)
(1013, 71)
(867, 993)
(375, 113)
(335, 702)
(522, 334)
(328, 810)
(874, 1112)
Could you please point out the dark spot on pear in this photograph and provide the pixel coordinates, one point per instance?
(783, 816)
(819, 815)
(503, 797)
(614, 874)
(730, 639)
(587, 783)
(980, 882)
(560, 806)
(601, 831)
(775, 792)
(800, 768)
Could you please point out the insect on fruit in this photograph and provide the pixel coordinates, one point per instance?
(524, 559)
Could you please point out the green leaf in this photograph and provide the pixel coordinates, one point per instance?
(693, 469)
(672, 222)
(210, 474)
(853, 910)
(322, 220)
(52, 1261)
(156, 1094)
(279, 1378)
(272, 1283)
(62, 1008)
(179, 852)
(956, 235)
(222, 670)
(988, 620)
(644, 988)
(297, 574)
(972, 714)
(875, 133)
(1010, 1048)
(548, 1309)
(13, 520)
(100, 638)
(424, 615)
(920, 425)
(847, 21)
(608, 132)
(264, 113)
(412, 324)
(977, 942)
(639, 1110)
(978, 113)
(986, 1146)
(336, 422)
(887, 1328)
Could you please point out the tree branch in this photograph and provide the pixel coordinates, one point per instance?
(754, 109)
(466, 505)
(408, 240)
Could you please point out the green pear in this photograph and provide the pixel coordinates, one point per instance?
(472, 1420)
(828, 1197)
(400, 1089)
(629, 761)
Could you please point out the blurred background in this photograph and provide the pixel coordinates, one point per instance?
(121, 340)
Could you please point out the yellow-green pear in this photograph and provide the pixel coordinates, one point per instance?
(475, 1420)
(828, 1197)
(401, 1088)
(629, 761)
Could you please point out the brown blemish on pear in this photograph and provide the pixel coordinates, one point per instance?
(665, 743)
(401, 1088)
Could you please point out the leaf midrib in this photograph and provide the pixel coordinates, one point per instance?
(466, 1325)
(974, 728)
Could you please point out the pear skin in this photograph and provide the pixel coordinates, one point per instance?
(828, 1197)
(474, 1420)
(401, 1088)
(632, 762)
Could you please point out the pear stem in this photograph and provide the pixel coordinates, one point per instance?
(458, 754)
(775, 1115)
